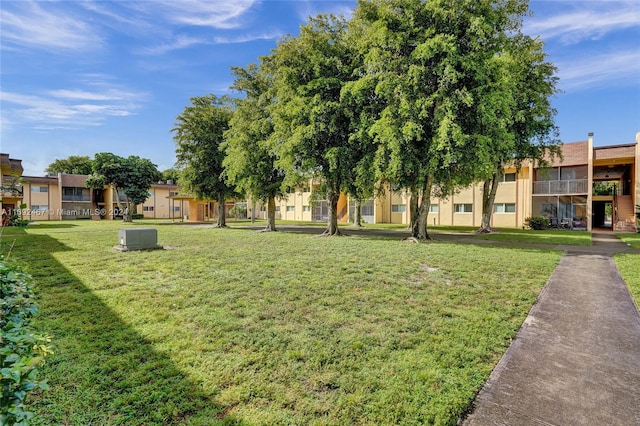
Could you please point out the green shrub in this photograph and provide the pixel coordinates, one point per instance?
(537, 222)
(21, 350)
(135, 216)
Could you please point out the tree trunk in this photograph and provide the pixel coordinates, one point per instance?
(357, 217)
(222, 220)
(413, 210)
(419, 227)
(489, 189)
(253, 211)
(126, 214)
(332, 221)
(271, 215)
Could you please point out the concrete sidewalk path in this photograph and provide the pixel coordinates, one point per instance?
(576, 358)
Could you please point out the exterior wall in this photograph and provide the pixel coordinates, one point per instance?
(389, 207)
(34, 198)
(158, 205)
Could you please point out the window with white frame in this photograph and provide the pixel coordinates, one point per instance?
(509, 177)
(147, 208)
(176, 208)
(306, 208)
(504, 208)
(434, 208)
(39, 208)
(39, 189)
(398, 208)
(463, 208)
(291, 208)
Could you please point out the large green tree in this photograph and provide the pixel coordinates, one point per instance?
(74, 164)
(528, 82)
(251, 157)
(430, 60)
(198, 134)
(129, 178)
(312, 125)
(171, 174)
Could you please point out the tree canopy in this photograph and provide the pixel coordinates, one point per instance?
(74, 164)
(439, 69)
(312, 125)
(129, 177)
(198, 134)
(426, 97)
(251, 156)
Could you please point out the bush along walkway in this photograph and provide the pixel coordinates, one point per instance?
(576, 359)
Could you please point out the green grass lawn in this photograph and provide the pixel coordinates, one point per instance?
(632, 239)
(515, 235)
(629, 267)
(233, 326)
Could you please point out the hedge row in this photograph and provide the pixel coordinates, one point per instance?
(21, 350)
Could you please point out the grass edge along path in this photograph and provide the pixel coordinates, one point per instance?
(237, 327)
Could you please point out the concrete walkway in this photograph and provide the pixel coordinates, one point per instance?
(576, 358)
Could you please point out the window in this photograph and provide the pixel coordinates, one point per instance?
(176, 208)
(39, 189)
(434, 208)
(147, 208)
(277, 209)
(71, 193)
(504, 208)
(173, 193)
(463, 208)
(398, 208)
(509, 177)
(40, 208)
(291, 208)
(306, 208)
(306, 189)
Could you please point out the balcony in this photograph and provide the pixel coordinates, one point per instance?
(76, 198)
(580, 186)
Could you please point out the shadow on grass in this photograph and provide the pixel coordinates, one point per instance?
(54, 225)
(102, 372)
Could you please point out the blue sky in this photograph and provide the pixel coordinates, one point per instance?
(81, 77)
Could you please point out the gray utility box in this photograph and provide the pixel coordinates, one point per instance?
(138, 239)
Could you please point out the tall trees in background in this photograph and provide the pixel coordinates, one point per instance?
(251, 160)
(198, 134)
(532, 134)
(312, 126)
(424, 96)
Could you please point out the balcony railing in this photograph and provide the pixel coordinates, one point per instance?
(580, 186)
(76, 198)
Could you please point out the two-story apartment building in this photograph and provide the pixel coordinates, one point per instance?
(587, 187)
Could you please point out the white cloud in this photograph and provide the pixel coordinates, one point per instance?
(589, 20)
(245, 38)
(68, 108)
(221, 14)
(184, 42)
(609, 69)
(179, 42)
(29, 24)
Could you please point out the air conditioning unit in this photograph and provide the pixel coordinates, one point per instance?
(138, 239)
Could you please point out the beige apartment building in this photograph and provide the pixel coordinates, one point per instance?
(64, 196)
(589, 187)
